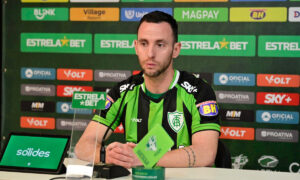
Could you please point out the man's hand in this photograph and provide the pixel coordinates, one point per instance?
(122, 154)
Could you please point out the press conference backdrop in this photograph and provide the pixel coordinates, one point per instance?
(248, 50)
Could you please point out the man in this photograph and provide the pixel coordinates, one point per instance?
(184, 106)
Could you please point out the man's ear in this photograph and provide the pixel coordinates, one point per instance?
(135, 46)
(176, 51)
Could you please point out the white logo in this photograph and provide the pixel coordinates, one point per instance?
(151, 145)
(33, 153)
(176, 120)
(37, 105)
(239, 161)
(36, 122)
(277, 99)
(129, 14)
(297, 167)
(266, 116)
(65, 107)
(68, 91)
(189, 87)
(233, 133)
(41, 13)
(268, 161)
(233, 114)
(74, 74)
(138, 120)
(29, 73)
(223, 79)
(278, 80)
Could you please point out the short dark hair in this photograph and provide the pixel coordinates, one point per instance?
(159, 16)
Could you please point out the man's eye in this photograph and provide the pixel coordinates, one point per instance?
(161, 45)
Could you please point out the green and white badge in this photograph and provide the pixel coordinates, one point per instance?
(89, 100)
(153, 146)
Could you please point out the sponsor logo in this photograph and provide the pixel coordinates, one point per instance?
(294, 14)
(37, 90)
(37, 106)
(208, 108)
(37, 122)
(56, 42)
(67, 91)
(176, 120)
(108, 102)
(217, 45)
(114, 43)
(237, 115)
(75, 74)
(254, 0)
(124, 87)
(38, 73)
(200, 0)
(45, 14)
(277, 135)
(136, 120)
(188, 87)
(119, 129)
(294, 167)
(94, 1)
(234, 79)
(238, 133)
(66, 107)
(270, 98)
(111, 75)
(235, 97)
(207, 77)
(68, 124)
(201, 14)
(135, 72)
(151, 144)
(281, 117)
(44, 1)
(268, 161)
(31, 152)
(258, 14)
(278, 80)
(146, 0)
(94, 14)
(238, 162)
(135, 14)
(279, 46)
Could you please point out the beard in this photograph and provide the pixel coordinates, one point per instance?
(161, 69)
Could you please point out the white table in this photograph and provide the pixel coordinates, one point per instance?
(180, 173)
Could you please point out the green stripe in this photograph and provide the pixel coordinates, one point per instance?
(155, 114)
(182, 135)
(208, 126)
(131, 117)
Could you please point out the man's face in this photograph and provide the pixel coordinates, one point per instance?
(155, 48)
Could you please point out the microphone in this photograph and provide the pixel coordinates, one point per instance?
(110, 171)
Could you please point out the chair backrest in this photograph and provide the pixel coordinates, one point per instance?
(223, 157)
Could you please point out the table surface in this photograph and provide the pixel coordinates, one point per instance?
(202, 173)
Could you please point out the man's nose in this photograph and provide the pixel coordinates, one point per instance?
(151, 51)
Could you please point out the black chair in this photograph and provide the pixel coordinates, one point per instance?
(223, 157)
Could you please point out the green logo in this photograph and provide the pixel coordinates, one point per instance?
(56, 42)
(279, 46)
(217, 45)
(114, 43)
(175, 120)
(89, 100)
(146, 0)
(151, 144)
(201, 14)
(45, 14)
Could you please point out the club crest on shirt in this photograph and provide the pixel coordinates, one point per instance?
(175, 120)
(208, 108)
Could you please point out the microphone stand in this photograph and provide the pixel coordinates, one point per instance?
(110, 171)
